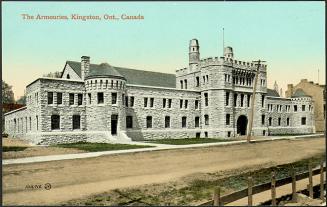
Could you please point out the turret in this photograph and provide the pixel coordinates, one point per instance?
(228, 52)
(194, 53)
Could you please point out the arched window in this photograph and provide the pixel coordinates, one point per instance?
(68, 76)
(55, 122)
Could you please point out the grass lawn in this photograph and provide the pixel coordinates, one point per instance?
(188, 141)
(12, 148)
(96, 147)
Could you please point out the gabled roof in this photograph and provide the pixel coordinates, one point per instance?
(133, 76)
(272, 93)
(299, 93)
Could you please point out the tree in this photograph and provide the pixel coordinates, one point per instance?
(56, 74)
(7, 93)
(22, 100)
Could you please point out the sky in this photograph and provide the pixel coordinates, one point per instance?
(290, 36)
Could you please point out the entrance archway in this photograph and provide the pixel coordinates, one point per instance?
(242, 123)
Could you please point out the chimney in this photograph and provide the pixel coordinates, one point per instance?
(85, 66)
(289, 91)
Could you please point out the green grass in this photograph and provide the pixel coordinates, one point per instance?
(11, 149)
(188, 141)
(96, 147)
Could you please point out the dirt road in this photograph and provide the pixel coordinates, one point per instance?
(72, 179)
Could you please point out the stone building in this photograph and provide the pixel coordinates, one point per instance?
(209, 98)
(317, 93)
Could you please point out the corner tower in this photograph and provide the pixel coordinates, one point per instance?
(228, 52)
(194, 53)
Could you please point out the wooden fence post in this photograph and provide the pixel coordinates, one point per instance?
(273, 189)
(293, 185)
(216, 197)
(250, 185)
(322, 181)
(310, 181)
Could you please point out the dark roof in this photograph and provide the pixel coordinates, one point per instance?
(104, 69)
(271, 92)
(133, 76)
(299, 93)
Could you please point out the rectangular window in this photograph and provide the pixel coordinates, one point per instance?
(206, 134)
(90, 98)
(288, 121)
(207, 78)
(181, 103)
(37, 123)
(169, 103)
(164, 103)
(149, 122)
(100, 98)
(185, 84)
(129, 122)
(183, 121)
(304, 121)
(151, 102)
(248, 100)
(206, 119)
(227, 119)
(71, 99)
(196, 104)
(167, 121)
(50, 97)
(270, 121)
(279, 121)
(303, 107)
(181, 84)
(242, 99)
(59, 98)
(197, 135)
(186, 104)
(206, 99)
(262, 101)
(197, 81)
(235, 99)
(263, 119)
(227, 99)
(76, 121)
(295, 108)
(197, 121)
(126, 101)
(55, 122)
(113, 98)
(132, 101)
(145, 102)
(80, 99)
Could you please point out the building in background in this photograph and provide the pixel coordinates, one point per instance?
(318, 94)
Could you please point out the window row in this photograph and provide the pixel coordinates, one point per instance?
(29, 99)
(105, 84)
(22, 125)
(243, 81)
(279, 108)
(59, 98)
(55, 122)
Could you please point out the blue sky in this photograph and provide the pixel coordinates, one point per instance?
(290, 36)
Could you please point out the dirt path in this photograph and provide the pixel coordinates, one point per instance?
(72, 179)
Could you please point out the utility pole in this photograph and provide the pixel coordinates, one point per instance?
(253, 100)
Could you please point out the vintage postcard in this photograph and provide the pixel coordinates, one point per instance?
(163, 103)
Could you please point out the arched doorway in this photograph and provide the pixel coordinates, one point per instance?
(242, 123)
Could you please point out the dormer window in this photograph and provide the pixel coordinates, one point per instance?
(68, 76)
